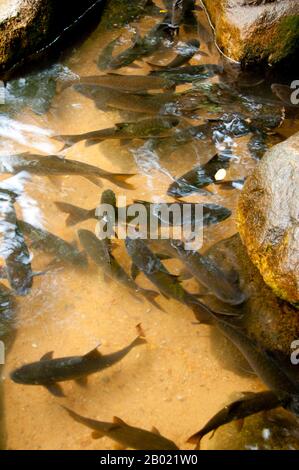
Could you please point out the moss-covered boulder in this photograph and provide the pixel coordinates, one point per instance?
(255, 31)
(28, 25)
(268, 216)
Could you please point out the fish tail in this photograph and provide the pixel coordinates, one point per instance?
(95, 180)
(64, 84)
(120, 179)
(196, 439)
(82, 420)
(141, 339)
(68, 140)
(156, 66)
(75, 214)
(151, 296)
(90, 142)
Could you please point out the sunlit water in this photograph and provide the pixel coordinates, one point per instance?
(175, 383)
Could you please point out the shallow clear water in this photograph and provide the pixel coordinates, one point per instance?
(177, 382)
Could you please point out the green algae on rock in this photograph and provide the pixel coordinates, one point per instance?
(268, 218)
(255, 33)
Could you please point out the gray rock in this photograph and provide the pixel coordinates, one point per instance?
(268, 217)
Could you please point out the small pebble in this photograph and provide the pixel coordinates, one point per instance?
(220, 175)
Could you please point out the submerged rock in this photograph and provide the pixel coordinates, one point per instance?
(269, 218)
(28, 25)
(272, 322)
(254, 31)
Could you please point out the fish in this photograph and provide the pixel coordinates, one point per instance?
(209, 215)
(198, 177)
(53, 165)
(106, 56)
(238, 410)
(49, 372)
(272, 367)
(147, 103)
(77, 214)
(197, 135)
(206, 271)
(268, 365)
(124, 434)
(13, 247)
(185, 54)
(212, 213)
(126, 83)
(142, 47)
(142, 129)
(189, 73)
(168, 284)
(52, 245)
(100, 252)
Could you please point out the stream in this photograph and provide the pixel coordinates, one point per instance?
(178, 380)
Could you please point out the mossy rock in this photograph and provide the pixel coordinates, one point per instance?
(268, 218)
(255, 31)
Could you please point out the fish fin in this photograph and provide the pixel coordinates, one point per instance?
(119, 421)
(67, 140)
(151, 296)
(55, 389)
(95, 180)
(135, 66)
(196, 439)
(91, 142)
(163, 257)
(170, 87)
(121, 180)
(74, 244)
(233, 276)
(96, 435)
(134, 271)
(203, 53)
(47, 357)
(239, 424)
(56, 180)
(185, 275)
(155, 431)
(175, 277)
(94, 354)
(118, 446)
(156, 66)
(140, 331)
(124, 142)
(82, 381)
(75, 214)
